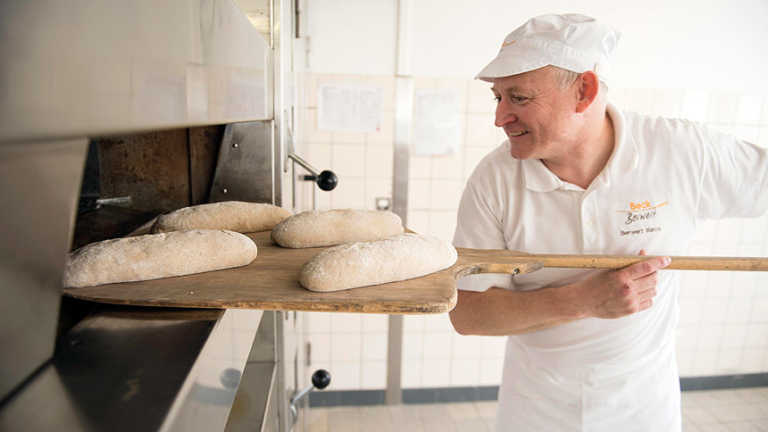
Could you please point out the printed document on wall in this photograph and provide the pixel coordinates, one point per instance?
(346, 107)
(436, 122)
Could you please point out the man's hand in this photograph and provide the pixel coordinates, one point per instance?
(608, 294)
(618, 293)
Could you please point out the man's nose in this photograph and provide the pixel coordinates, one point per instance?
(504, 115)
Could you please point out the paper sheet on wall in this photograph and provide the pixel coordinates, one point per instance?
(345, 107)
(436, 122)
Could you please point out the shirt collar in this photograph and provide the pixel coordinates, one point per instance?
(539, 178)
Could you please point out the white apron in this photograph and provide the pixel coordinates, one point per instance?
(642, 398)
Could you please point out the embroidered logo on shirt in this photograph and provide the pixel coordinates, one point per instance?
(503, 44)
(642, 206)
(640, 211)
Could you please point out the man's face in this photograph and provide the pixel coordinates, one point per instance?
(537, 117)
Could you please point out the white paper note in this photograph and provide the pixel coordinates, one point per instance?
(436, 122)
(344, 107)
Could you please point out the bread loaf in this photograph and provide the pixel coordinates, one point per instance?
(242, 217)
(154, 256)
(332, 227)
(390, 259)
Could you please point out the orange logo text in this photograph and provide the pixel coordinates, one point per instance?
(642, 206)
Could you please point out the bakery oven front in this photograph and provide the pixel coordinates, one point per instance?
(110, 114)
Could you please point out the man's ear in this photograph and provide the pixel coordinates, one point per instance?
(588, 87)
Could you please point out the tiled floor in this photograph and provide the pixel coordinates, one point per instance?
(458, 417)
(741, 410)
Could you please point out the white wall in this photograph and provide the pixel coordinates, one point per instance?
(708, 45)
(688, 44)
(675, 61)
(351, 36)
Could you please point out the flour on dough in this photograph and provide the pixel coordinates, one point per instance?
(390, 259)
(318, 228)
(154, 256)
(238, 216)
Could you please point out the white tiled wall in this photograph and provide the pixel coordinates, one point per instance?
(724, 316)
(352, 347)
(436, 356)
(362, 161)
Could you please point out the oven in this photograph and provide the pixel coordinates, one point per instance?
(112, 112)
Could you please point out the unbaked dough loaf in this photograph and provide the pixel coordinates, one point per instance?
(390, 259)
(154, 256)
(332, 227)
(242, 217)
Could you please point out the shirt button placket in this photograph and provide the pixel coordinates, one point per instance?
(589, 230)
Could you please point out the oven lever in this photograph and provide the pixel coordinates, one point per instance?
(326, 180)
(320, 380)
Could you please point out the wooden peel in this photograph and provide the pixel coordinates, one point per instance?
(271, 282)
(505, 261)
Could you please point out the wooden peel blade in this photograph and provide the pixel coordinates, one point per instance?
(475, 261)
(271, 282)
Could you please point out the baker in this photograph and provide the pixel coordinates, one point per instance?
(589, 350)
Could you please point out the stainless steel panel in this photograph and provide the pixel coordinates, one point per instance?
(90, 67)
(393, 394)
(245, 169)
(403, 124)
(205, 401)
(255, 406)
(139, 369)
(39, 185)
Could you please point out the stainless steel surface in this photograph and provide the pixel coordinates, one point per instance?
(403, 126)
(283, 355)
(87, 67)
(139, 369)
(283, 22)
(205, 401)
(393, 394)
(245, 168)
(255, 406)
(281, 45)
(39, 186)
(294, 363)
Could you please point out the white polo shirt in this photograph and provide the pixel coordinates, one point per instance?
(662, 179)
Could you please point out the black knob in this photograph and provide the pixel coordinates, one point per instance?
(321, 378)
(327, 180)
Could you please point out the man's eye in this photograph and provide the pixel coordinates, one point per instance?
(497, 99)
(519, 98)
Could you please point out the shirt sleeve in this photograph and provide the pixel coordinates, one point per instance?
(479, 227)
(734, 181)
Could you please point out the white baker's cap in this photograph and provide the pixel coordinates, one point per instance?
(574, 42)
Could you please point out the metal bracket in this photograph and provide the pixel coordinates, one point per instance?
(245, 169)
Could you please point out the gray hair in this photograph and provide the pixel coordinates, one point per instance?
(564, 78)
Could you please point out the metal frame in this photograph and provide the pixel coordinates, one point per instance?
(39, 189)
(245, 170)
(255, 405)
(134, 368)
(189, 63)
(403, 125)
